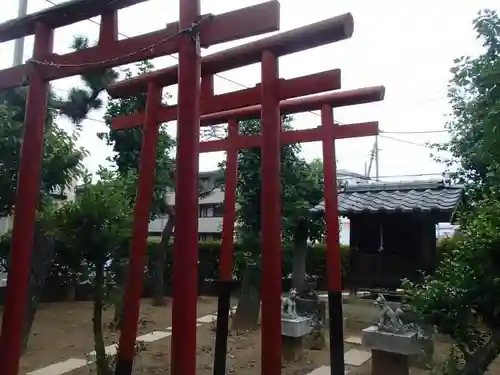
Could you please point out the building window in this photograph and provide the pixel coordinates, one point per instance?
(218, 210)
(205, 183)
(204, 210)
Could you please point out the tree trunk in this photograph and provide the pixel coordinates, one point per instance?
(480, 360)
(71, 287)
(102, 365)
(300, 256)
(299, 266)
(158, 264)
(42, 256)
(247, 313)
(120, 271)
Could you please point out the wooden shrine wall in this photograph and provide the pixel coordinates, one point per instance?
(408, 245)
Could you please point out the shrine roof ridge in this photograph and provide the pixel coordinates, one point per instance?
(400, 186)
(398, 197)
(284, 43)
(60, 15)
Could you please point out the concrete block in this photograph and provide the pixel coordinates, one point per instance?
(296, 327)
(355, 340)
(154, 336)
(356, 357)
(61, 367)
(404, 343)
(207, 318)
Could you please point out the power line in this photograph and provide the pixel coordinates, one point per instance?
(404, 141)
(415, 132)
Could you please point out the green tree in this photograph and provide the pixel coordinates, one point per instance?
(97, 225)
(301, 190)
(61, 163)
(462, 298)
(474, 94)
(127, 147)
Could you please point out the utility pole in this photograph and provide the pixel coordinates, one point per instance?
(19, 43)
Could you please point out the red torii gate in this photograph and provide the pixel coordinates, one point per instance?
(328, 132)
(271, 92)
(185, 37)
(185, 293)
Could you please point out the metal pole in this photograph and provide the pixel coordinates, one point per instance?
(376, 159)
(19, 44)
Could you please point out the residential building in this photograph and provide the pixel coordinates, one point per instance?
(211, 208)
(61, 194)
(210, 212)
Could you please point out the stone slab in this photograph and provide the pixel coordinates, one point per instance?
(153, 336)
(61, 367)
(324, 370)
(356, 357)
(399, 343)
(171, 328)
(296, 327)
(355, 340)
(207, 318)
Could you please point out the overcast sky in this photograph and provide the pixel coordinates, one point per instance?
(407, 46)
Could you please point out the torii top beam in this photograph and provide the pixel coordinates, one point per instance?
(306, 37)
(60, 15)
(334, 99)
(220, 28)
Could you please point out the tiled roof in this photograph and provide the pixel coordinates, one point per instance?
(415, 196)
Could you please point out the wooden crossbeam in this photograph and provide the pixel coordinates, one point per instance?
(219, 29)
(290, 88)
(363, 129)
(60, 15)
(288, 42)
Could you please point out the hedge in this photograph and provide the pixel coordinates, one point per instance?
(208, 263)
(208, 256)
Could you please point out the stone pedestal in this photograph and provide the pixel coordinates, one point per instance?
(391, 351)
(386, 363)
(293, 332)
(293, 348)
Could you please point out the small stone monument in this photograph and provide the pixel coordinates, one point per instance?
(392, 341)
(310, 305)
(293, 328)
